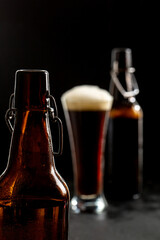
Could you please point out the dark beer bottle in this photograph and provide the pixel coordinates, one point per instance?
(124, 147)
(34, 199)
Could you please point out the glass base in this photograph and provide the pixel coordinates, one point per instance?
(89, 205)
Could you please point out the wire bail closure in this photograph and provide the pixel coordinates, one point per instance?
(130, 80)
(10, 113)
(53, 113)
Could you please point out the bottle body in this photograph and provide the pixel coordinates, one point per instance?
(34, 199)
(33, 219)
(124, 163)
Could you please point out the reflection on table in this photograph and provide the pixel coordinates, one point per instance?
(133, 220)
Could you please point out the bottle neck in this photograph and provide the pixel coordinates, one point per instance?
(31, 144)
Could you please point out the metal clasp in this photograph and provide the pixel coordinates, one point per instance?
(131, 83)
(53, 112)
(10, 113)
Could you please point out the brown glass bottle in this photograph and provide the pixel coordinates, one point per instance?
(124, 145)
(34, 199)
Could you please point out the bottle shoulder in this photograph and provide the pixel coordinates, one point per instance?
(126, 108)
(28, 184)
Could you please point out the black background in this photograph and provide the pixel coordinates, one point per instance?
(73, 41)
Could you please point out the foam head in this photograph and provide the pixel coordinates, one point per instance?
(87, 98)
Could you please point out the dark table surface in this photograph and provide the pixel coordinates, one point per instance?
(134, 220)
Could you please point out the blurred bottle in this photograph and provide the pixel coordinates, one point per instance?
(34, 199)
(124, 147)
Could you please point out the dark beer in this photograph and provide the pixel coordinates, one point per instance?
(86, 109)
(123, 169)
(88, 138)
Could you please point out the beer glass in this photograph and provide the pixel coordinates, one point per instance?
(86, 109)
